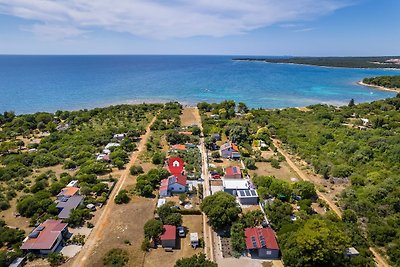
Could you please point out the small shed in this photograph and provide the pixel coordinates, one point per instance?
(161, 202)
(168, 237)
(352, 252)
(18, 262)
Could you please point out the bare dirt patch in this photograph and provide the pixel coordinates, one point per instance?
(284, 172)
(188, 116)
(126, 223)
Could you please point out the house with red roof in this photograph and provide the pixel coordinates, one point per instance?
(175, 184)
(46, 237)
(233, 173)
(168, 237)
(261, 243)
(229, 150)
(179, 147)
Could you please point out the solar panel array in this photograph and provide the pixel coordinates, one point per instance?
(34, 234)
(262, 240)
(253, 240)
(247, 193)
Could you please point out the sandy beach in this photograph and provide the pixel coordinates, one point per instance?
(379, 87)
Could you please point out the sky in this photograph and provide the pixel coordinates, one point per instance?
(201, 27)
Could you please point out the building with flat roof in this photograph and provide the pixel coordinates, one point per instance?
(67, 204)
(247, 197)
(231, 186)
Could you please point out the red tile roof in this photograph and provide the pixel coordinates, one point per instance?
(47, 236)
(231, 171)
(69, 191)
(234, 147)
(181, 179)
(169, 232)
(255, 237)
(186, 133)
(179, 147)
(164, 185)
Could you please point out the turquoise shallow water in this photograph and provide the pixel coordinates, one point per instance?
(49, 83)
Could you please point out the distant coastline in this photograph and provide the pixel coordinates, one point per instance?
(379, 87)
(385, 63)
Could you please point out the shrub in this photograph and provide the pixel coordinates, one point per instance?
(116, 257)
(250, 164)
(158, 158)
(122, 197)
(136, 169)
(55, 259)
(275, 164)
(145, 245)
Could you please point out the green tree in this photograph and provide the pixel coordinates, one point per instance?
(173, 219)
(238, 239)
(305, 189)
(318, 243)
(195, 261)
(158, 158)
(77, 217)
(122, 197)
(153, 228)
(349, 216)
(221, 209)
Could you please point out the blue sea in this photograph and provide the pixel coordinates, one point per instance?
(49, 83)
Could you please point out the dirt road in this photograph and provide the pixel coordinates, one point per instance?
(379, 260)
(97, 234)
(304, 177)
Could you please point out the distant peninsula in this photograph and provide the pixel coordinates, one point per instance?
(386, 62)
(389, 83)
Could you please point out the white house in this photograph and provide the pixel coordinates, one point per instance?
(231, 186)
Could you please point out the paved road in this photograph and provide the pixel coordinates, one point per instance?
(83, 258)
(208, 233)
(379, 260)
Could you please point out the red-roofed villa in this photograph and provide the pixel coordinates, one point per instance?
(261, 242)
